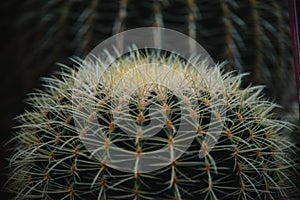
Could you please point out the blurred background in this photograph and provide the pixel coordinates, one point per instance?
(252, 35)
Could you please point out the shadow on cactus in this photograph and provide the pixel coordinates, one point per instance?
(55, 158)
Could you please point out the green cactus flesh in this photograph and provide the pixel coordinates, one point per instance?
(252, 35)
(251, 159)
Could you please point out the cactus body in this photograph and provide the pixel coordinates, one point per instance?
(250, 160)
(253, 35)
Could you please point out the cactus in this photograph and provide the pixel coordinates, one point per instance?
(253, 35)
(251, 158)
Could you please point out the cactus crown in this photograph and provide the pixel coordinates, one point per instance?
(60, 154)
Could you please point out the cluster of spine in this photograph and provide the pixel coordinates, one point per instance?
(253, 35)
(251, 159)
